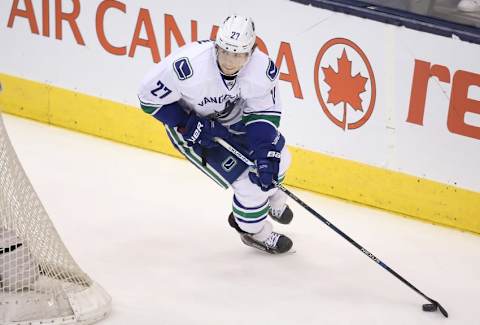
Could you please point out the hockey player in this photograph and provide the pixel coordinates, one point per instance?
(228, 89)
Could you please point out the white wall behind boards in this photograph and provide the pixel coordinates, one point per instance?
(378, 94)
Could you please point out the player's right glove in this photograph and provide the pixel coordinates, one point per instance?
(267, 162)
(202, 131)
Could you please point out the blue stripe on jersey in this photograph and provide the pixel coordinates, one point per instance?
(264, 112)
(249, 221)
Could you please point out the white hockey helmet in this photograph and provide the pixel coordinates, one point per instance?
(237, 34)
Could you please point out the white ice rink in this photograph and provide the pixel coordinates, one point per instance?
(152, 230)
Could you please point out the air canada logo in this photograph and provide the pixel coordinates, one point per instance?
(345, 83)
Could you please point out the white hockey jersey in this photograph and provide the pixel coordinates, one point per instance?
(191, 75)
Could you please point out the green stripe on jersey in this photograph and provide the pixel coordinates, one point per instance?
(251, 215)
(273, 119)
(148, 109)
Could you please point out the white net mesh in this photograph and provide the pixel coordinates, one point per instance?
(39, 280)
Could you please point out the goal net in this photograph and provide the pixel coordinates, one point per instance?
(39, 280)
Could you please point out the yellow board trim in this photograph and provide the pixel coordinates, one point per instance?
(405, 194)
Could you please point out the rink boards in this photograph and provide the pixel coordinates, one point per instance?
(374, 113)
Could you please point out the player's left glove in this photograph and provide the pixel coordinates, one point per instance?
(267, 162)
(202, 131)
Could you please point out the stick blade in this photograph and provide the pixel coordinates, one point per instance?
(443, 310)
(433, 306)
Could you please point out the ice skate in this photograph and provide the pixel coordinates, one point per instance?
(266, 240)
(283, 216)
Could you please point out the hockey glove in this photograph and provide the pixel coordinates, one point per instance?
(202, 131)
(267, 163)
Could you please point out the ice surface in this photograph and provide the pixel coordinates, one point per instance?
(152, 230)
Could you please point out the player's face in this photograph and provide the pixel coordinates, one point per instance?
(230, 63)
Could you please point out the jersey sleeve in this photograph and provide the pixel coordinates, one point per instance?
(261, 92)
(159, 95)
(158, 88)
(262, 110)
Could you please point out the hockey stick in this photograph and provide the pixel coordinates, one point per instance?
(433, 306)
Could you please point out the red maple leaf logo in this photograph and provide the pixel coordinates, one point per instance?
(344, 87)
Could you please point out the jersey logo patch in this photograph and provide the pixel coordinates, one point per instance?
(229, 163)
(272, 70)
(183, 68)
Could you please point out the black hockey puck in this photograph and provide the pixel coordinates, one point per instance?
(429, 307)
